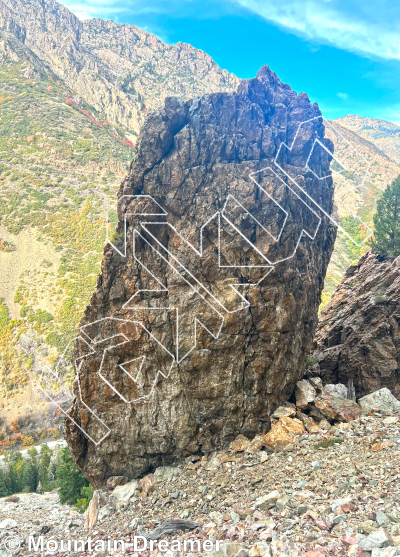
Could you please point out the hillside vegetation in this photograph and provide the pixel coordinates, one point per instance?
(61, 165)
(359, 183)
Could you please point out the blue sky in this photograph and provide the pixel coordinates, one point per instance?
(344, 53)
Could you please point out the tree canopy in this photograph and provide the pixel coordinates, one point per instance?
(387, 222)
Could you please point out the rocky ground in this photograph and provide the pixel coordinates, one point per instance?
(332, 492)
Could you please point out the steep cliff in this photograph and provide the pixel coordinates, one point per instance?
(202, 329)
(358, 335)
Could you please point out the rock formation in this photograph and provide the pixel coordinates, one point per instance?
(207, 302)
(358, 335)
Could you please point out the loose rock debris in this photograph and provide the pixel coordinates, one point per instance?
(334, 492)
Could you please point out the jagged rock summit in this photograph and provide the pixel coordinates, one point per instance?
(207, 302)
(358, 335)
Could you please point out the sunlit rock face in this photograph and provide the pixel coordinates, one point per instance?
(207, 302)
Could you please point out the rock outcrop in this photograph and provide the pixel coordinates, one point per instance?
(207, 302)
(358, 335)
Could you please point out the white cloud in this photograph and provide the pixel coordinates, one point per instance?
(86, 9)
(368, 27)
(343, 96)
(363, 27)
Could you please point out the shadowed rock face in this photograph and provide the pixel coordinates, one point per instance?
(358, 336)
(228, 355)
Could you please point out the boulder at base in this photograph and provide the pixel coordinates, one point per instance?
(202, 319)
(382, 401)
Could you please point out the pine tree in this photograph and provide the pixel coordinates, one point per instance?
(387, 222)
(69, 478)
(3, 484)
(44, 464)
(13, 461)
(28, 481)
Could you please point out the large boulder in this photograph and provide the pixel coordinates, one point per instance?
(337, 408)
(305, 394)
(382, 401)
(283, 433)
(207, 302)
(358, 335)
(337, 390)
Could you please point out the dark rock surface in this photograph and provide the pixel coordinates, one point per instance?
(195, 159)
(358, 335)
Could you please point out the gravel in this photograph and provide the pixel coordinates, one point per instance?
(318, 497)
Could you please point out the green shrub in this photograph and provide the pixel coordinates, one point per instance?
(82, 504)
(3, 315)
(311, 360)
(328, 443)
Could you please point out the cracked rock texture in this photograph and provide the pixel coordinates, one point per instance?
(195, 159)
(358, 335)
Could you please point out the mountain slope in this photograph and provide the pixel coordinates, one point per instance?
(61, 165)
(71, 95)
(119, 69)
(382, 133)
(368, 172)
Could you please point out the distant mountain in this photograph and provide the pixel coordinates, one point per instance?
(60, 167)
(119, 69)
(382, 133)
(368, 172)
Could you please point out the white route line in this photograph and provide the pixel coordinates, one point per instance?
(196, 319)
(124, 321)
(160, 211)
(312, 237)
(55, 374)
(318, 142)
(163, 213)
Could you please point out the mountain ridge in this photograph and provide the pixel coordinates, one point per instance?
(384, 134)
(95, 58)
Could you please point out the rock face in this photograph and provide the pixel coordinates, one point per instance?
(358, 335)
(202, 329)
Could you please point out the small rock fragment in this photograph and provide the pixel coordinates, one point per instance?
(378, 538)
(240, 444)
(113, 481)
(282, 411)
